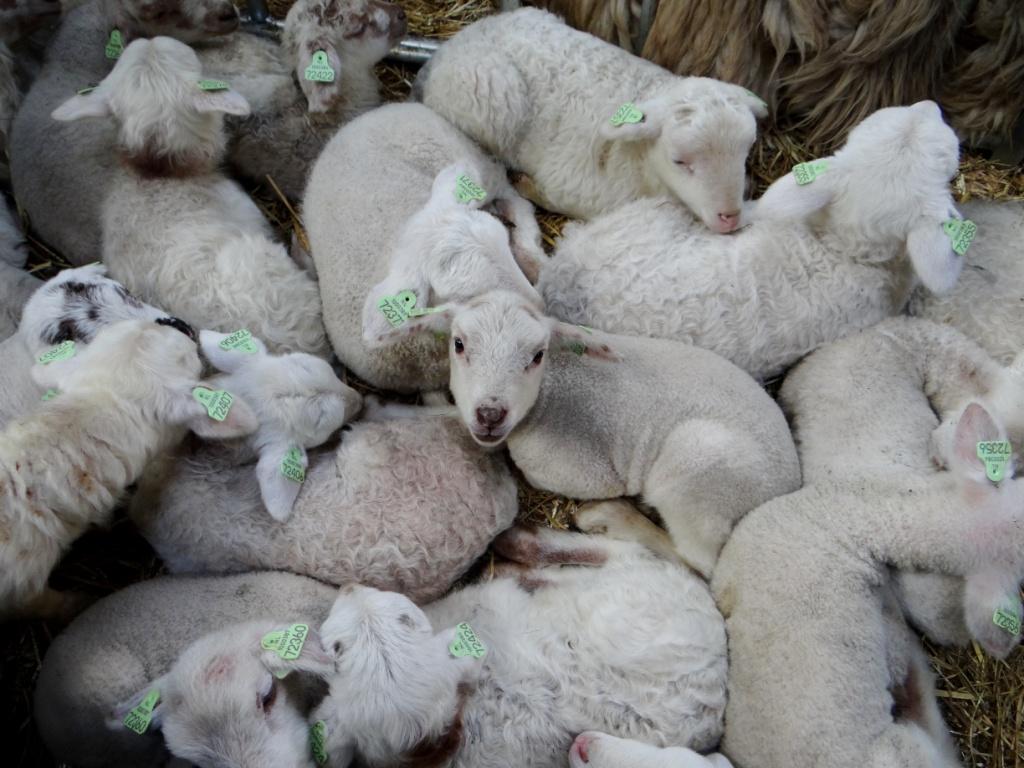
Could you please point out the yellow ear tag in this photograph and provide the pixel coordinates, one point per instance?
(115, 45)
(996, 455)
(466, 643)
(319, 69)
(286, 643)
(216, 401)
(398, 309)
(140, 716)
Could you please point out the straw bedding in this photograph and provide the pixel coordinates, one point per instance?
(983, 699)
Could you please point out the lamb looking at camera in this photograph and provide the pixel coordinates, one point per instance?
(624, 416)
(176, 231)
(542, 97)
(123, 400)
(805, 586)
(85, 676)
(73, 306)
(62, 173)
(383, 216)
(820, 260)
(407, 502)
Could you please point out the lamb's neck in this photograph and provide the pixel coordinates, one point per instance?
(152, 163)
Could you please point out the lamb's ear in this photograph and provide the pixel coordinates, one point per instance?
(236, 354)
(185, 409)
(378, 312)
(647, 128)
(228, 101)
(975, 425)
(93, 104)
(931, 252)
(785, 199)
(581, 340)
(279, 490)
(141, 699)
(318, 70)
(312, 658)
(749, 99)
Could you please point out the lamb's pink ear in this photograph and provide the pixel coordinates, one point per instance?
(931, 252)
(232, 358)
(185, 409)
(785, 199)
(312, 658)
(116, 718)
(975, 425)
(581, 341)
(317, 61)
(92, 104)
(647, 128)
(227, 101)
(278, 489)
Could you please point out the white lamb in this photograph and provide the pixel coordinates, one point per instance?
(176, 231)
(687, 430)
(600, 750)
(987, 303)
(820, 260)
(632, 645)
(86, 674)
(823, 670)
(122, 400)
(73, 306)
(593, 126)
(407, 502)
(382, 216)
(62, 174)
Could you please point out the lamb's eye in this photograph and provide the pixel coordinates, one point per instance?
(459, 346)
(686, 165)
(266, 700)
(538, 357)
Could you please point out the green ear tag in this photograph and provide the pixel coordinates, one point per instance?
(213, 85)
(466, 643)
(576, 347)
(319, 69)
(996, 454)
(50, 394)
(85, 91)
(1007, 620)
(216, 401)
(240, 341)
(286, 643)
(805, 173)
(63, 351)
(466, 189)
(753, 95)
(291, 465)
(115, 45)
(960, 233)
(397, 309)
(317, 739)
(586, 328)
(139, 718)
(627, 113)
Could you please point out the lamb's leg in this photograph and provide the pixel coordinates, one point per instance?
(920, 706)
(705, 478)
(907, 745)
(544, 546)
(525, 237)
(620, 520)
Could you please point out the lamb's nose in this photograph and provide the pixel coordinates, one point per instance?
(490, 415)
(728, 221)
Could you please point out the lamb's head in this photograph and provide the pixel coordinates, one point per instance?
(449, 251)
(328, 37)
(398, 687)
(498, 351)
(152, 365)
(239, 696)
(694, 138)
(600, 750)
(299, 401)
(187, 20)
(887, 188)
(170, 120)
(75, 305)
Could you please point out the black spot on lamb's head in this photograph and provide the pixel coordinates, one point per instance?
(179, 325)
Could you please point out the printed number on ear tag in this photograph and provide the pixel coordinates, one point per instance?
(317, 742)
(115, 45)
(627, 113)
(466, 643)
(63, 351)
(805, 173)
(319, 69)
(213, 85)
(466, 189)
(1007, 620)
(398, 309)
(140, 716)
(996, 455)
(216, 401)
(291, 465)
(960, 233)
(240, 341)
(286, 643)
